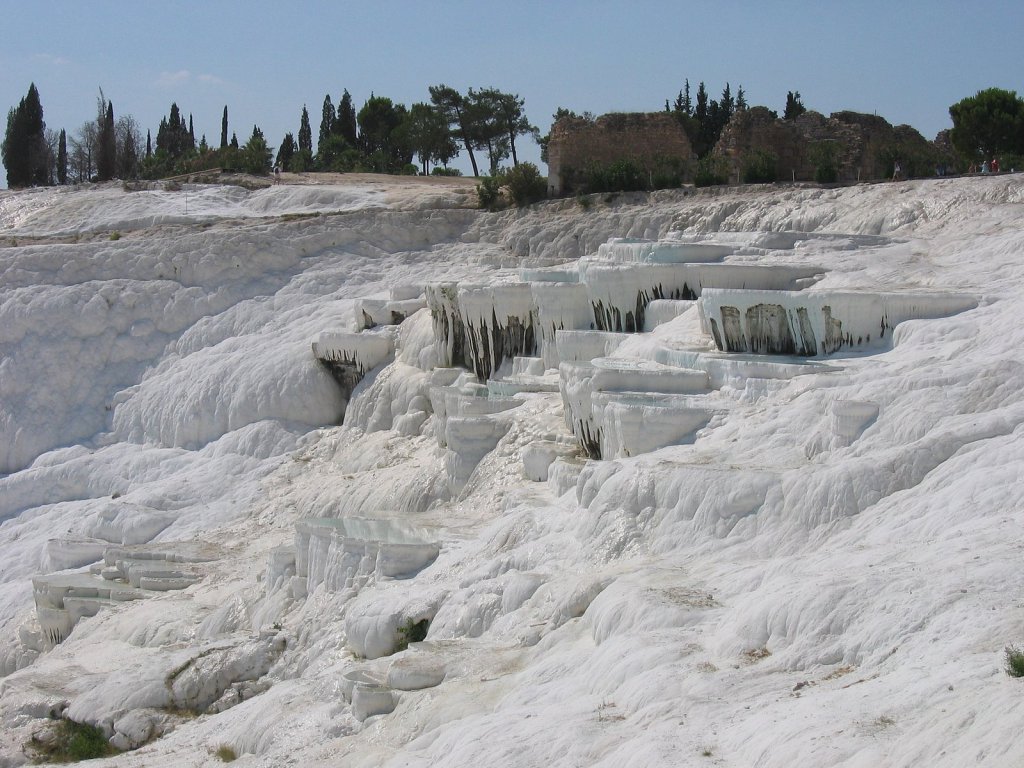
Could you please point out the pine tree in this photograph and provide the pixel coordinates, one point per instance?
(453, 106)
(224, 129)
(24, 151)
(794, 107)
(328, 116)
(62, 158)
(286, 152)
(305, 133)
(345, 124)
(687, 104)
(106, 155)
(741, 100)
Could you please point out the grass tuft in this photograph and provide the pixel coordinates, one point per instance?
(1014, 661)
(70, 742)
(226, 754)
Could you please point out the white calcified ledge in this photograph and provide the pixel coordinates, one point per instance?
(560, 274)
(349, 356)
(582, 385)
(815, 322)
(620, 293)
(370, 313)
(630, 250)
(449, 329)
(339, 552)
(461, 401)
(661, 311)
(363, 351)
(499, 324)
(584, 346)
(558, 307)
(736, 370)
(631, 424)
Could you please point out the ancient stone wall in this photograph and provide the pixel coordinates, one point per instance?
(578, 143)
(863, 146)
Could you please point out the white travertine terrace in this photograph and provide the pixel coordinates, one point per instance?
(559, 307)
(620, 293)
(348, 552)
(585, 410)
(349, 356)
(125, 573)
(403, 302)
(629, 250)
(814, 323)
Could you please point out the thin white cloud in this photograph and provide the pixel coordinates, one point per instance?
(56, 61)
(171, 79)
(210, 79)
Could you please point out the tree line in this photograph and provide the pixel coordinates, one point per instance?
(383, 137)
(386, 137)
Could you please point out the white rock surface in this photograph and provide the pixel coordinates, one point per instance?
(825, 573)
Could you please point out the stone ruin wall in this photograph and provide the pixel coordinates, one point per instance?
(577, 143)
(861, 138)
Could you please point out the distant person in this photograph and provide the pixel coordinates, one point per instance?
(995, 165)
(897, 172)
(277, 174)
(973, 168)
(984, 167)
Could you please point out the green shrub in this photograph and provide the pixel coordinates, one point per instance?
(488, 192)
(667, 173)
(711, 171)
(525, 184)
(760, 167)
(226, 753)
(621, 176)
(71, 741)
(412, 632)
(445, 172)
(115, 235)
(1014, 661)
(825, 156)
(826, 174)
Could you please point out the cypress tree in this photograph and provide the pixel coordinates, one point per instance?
(149, 144)
(326, 123)
(305, 133)
(62, 158)
(224, 129)
(345, 125)
(106, 157)
(24, 151)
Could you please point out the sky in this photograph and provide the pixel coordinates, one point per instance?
(907, 61)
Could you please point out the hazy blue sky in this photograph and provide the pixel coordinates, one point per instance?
(907, 61)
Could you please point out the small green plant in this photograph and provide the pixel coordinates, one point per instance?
(825, 156)
(412, 632)
(115, 235)
(620, 176)
(225, 754)
(525, 184)
(585, 202)
(445, 172)
(760, 167)
(1014, 661)
(71, 742)
(488, 191)
(710, 172)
